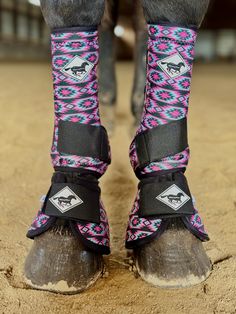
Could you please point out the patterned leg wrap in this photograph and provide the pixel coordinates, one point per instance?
(159, 153)
(80, 149)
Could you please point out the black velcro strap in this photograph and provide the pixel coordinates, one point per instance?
(73, 201)
(161, 141)
(163, 197)
(83, 140)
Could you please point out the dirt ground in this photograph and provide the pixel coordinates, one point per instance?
(26, 113)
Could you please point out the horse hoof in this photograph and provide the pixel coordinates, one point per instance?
(59, 262)
(108, 113)
(175, 260)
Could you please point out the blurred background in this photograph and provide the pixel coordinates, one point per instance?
(24, 35)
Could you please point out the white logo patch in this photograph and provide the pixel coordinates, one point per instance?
(77, 68)
(174, 65)
(65, 200)
(173, 197)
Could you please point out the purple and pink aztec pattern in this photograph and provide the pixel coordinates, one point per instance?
(166, 99)
(75, 100)
(140, 229)
(95, 236)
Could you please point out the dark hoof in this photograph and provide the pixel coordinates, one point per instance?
(108, 113)
(59, 262)
(175, 260)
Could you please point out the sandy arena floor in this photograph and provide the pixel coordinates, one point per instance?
(25, 135)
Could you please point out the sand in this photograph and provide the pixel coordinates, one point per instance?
(25, 136)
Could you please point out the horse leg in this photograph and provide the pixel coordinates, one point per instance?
(107, 75)
(167, 237)
(141, 37)
(69, 241)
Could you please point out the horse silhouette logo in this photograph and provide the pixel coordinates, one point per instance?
(65, 200)
(174, 65)
(78, 68)
(174, 68)
(173, 197)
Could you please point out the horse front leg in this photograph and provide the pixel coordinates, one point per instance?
(167, 236)
(140, 51)
(107, 74)
(71, 237)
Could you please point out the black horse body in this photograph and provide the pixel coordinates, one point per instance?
(65, 200)
(174, 68)
(174, 198)
(78, 69)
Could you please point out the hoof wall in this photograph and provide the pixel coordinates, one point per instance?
(58, 262)
(175, 260)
